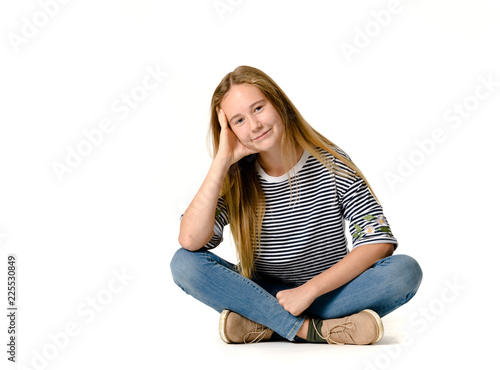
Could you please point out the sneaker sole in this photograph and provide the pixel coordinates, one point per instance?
(222, 326)
(380, 326)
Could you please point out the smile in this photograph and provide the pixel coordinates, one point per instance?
(261, 136)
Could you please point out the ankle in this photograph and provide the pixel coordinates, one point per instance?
(302, 333)
(314, 333)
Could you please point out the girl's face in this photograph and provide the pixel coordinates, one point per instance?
(252, 118)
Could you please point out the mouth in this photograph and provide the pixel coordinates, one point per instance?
(261, 136)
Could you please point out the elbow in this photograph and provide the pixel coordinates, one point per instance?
(386, 250)
(376, 252)
(187, 243)
(193, 241)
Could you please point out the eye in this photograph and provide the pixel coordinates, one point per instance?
(259, 108)
(239, 121)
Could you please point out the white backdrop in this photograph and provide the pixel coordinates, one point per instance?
(105, 108)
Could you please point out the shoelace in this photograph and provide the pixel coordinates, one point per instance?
(261, 332)
(331, 331)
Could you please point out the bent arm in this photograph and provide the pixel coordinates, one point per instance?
(197, 223)
(297, 300)
(351, 266)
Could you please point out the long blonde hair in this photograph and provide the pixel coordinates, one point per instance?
(241, 189)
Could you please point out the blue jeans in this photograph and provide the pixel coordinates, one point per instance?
(387, 285)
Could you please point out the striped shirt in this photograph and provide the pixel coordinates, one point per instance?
(304, 235)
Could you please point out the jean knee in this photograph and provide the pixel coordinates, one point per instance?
(410, 272)
(181, 266)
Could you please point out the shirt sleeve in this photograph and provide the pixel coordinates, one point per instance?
(367, 222)
(221, 220)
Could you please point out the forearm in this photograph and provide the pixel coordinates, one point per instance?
(197, 223)
(351, 266)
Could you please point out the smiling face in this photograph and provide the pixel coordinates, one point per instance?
(253, 118)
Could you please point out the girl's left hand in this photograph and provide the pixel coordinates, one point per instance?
(295, 300)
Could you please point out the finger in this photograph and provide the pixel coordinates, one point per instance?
(222, 118)
(278, 295)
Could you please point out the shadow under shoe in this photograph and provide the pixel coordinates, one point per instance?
(234, 328)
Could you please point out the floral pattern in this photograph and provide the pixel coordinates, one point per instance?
(378, 223)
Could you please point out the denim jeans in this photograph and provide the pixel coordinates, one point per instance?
(387, 285)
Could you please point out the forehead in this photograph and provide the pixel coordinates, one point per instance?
(240, 97)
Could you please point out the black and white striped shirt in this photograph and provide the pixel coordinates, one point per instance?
(304, 235)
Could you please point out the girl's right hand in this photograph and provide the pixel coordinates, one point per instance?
(230, 147)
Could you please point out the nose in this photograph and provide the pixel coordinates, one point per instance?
(255, 125)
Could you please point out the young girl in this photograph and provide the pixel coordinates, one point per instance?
(285, 191)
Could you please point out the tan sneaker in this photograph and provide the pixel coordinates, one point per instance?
(364, 327)
(234, 328)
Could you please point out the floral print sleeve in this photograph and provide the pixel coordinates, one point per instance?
(377, 224)
(367, 222)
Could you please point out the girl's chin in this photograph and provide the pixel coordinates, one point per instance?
(262, 149)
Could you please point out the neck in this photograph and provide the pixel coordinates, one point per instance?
(272, 161)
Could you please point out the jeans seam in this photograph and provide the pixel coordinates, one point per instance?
(300, 319)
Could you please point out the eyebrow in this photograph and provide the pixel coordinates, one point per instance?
(251, 106)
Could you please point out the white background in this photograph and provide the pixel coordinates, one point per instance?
(117, 211)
